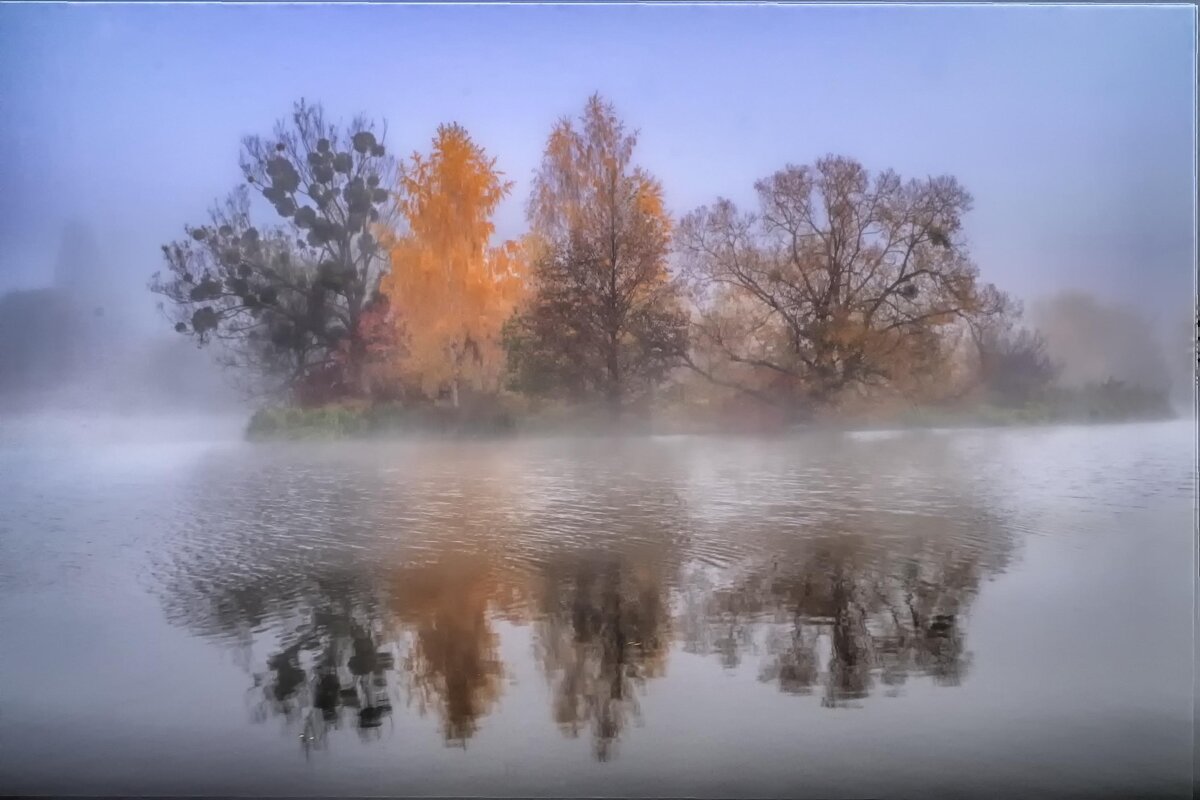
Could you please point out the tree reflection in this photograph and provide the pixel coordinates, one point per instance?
(379, 597)
(841, 614)
(718, 620)
(333, 665)
(452, 661)
(602, 631)
(434, 637)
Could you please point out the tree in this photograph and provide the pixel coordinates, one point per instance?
(1014, 366)
(605, 319)
(1006, 360)
(839, 282)
(288, 299)
(450, 292)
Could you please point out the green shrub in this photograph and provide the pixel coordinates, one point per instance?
(347, 421)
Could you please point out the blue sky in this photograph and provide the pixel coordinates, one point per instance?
(1072, 126)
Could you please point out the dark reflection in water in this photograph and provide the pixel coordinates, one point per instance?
(879, 619)
(603, 629)
(333, 665)
(381, 589)
(425, 635)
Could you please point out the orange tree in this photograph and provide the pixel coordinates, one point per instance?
(604, 320)
(449, 289)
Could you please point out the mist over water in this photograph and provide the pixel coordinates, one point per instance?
(813, 616)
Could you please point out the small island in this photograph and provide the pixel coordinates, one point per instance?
(359, 294)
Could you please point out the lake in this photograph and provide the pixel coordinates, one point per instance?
(968, 613)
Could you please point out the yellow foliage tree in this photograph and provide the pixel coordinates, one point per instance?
(449, 290)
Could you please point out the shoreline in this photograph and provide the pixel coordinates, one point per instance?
(441, 423)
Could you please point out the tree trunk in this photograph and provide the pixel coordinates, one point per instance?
(613, 393)
(356, 373)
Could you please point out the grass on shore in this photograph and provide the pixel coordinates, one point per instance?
(506, 415)
(364, 421)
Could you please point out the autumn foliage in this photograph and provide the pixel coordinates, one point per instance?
(841, 281)
(450, 290)
(842, 289)
(605, 319)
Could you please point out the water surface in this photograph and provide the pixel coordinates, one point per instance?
(976, 613)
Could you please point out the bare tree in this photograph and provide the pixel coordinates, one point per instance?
(1014, 366)
(840, 280)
